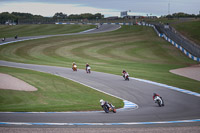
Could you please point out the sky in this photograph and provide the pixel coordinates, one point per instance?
(108, 8)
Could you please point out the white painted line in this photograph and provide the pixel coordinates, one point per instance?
(99, 124)
(168, 86)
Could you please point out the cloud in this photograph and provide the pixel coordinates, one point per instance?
(106, 7)
(46, 9)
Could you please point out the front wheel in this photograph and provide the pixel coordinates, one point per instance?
(105, 109)
(114, 110)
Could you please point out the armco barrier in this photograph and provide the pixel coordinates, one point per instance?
(172, 42)
(158, 33)
(96, 23)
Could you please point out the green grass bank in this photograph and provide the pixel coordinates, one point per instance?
(40, 29)
(135, 48)
(54, 94)
(189, 29)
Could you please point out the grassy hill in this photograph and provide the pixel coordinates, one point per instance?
(135, 48)
(40, 29)
(190, 29)
(54, 94)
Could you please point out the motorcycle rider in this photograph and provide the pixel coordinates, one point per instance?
(3, 39)
(73, 65)
(86, 67)
(109, 105)
(156, 97)
(102, 102)
(16, 36)
(124, 73)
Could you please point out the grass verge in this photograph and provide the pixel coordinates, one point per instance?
(189, 29)
(54, 94)
(135, 48)
(40, 29)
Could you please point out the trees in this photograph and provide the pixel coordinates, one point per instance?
(60, 15)
(181, 15)
(27, 18)
(15, 16)
(5, 17)
(88, 16)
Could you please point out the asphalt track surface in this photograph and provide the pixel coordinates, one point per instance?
(178, 105)
(103, 28)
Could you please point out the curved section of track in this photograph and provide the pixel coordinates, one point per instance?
(103, 28)
(180, 107)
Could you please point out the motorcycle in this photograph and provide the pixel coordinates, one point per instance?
(107, 107)
(159, 101)
(74, 68)
(126, 76)
(88, 69)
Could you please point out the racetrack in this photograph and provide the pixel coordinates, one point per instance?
(178, 105)
(104, 28)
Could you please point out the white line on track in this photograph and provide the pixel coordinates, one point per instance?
(99, 124)
(126, 107)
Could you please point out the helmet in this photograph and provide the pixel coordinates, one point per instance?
(154, 94)
(101, 101)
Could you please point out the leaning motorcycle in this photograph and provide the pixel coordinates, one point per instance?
(107, 107)
(126, 76)
(159, 101)
(74, 68)
(88, 69)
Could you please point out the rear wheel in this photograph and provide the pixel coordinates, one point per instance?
(114, 110)
(159, 104)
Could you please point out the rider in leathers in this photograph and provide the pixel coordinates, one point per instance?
(102, 102)
(156, 97)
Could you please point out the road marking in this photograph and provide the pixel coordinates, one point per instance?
(167, 86)
(99, 124)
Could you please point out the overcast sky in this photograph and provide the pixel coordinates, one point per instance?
(105, 7)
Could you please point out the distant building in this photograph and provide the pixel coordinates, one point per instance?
(123, 14)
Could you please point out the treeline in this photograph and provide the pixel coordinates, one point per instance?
(182, 15)
(88, 16)
(16, 17)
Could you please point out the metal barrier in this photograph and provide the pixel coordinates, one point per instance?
(96, 23)
(169, 34)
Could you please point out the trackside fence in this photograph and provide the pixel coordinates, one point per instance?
(189, 49)
(130, 23)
